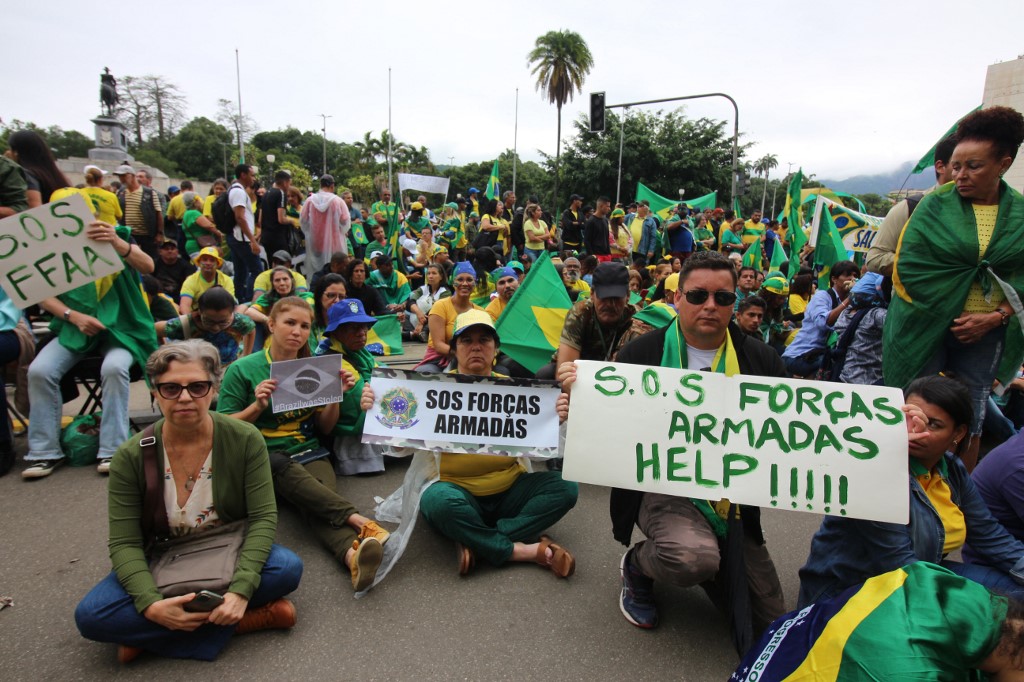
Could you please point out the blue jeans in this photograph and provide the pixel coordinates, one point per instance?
(247, 266)
(992, 578)
(108, 614)
(534, 253)
(44, 375)
(974, 363)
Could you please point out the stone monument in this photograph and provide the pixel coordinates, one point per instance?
(111, 135)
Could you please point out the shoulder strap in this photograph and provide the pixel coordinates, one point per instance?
(912, 203)
(154, 512)
(186, 327)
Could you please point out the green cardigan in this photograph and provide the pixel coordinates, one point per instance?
(242, 488)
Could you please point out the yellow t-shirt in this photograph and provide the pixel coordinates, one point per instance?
(797, 304)
(636, 228)
(480, 475)
(985, 216)
(752, 232)
(194, 285)
(104, 204)
(207, 206)
(262, 282)
(176, 207)
(496, 307)
(445, 309)
(939, 494)
(533, 234)
(581, 286)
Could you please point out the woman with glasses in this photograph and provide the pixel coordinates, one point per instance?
(215, 471)
(301, 469)
(216, 322)
(328, 290)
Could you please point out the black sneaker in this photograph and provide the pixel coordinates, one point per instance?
(636, 601)
(43, 468)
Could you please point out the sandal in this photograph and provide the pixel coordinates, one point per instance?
(562, 562)
(467, 560)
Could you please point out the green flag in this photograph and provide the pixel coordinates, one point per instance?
(736, 207)
(752, 256)
(385, 336)
(928, 160)
(797, 239)
(829, 250)
(395, 240)
(658, 314)
(493, 190)
(778, 256)
(531, 324)
(662, 206)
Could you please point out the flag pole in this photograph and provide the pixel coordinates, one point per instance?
(389, 133)
(241, 122)
(515, 144)
(622, 132)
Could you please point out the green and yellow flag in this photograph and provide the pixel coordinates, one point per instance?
(752, 256)
(662, 206)
(531, 324)
(778, 256)
(928, 160)
(385, 336)
(736, 207)
(829, 250)
(794, 218)
(493, 190)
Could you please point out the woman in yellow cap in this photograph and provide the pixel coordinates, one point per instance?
(620, 239)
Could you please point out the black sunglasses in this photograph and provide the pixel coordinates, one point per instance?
(196, 389)
(723, 297)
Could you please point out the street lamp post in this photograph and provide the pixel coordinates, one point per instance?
(325, 117)
(270, 159)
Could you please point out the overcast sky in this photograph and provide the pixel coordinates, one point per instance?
(839, 88)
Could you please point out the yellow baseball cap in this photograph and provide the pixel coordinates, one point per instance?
(473, 318)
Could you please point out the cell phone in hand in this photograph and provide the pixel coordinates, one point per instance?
(204, 602)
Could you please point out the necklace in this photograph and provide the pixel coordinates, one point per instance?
(192, 472)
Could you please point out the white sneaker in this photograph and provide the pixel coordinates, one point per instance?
(103, 466)
(43, 468)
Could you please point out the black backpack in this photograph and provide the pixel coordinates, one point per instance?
(223, 214)
(838, 354)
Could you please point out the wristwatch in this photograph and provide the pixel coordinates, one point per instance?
(1005, 315)
(67, 315)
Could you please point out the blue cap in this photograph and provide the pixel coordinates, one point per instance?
(505, 272)
(347, 311)
(172, 189)
(473, 190)
(463, 268)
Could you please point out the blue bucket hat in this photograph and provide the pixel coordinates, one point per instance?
(347, 311)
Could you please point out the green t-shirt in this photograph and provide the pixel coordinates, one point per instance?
(291, 431)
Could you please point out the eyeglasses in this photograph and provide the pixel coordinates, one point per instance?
(196, 389)
(215, 324)
(723, 297)
(332, 296)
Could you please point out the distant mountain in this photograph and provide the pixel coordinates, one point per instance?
(883, 183)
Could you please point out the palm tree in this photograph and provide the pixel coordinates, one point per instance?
(763, 166)
(369, 149)
(560, 60)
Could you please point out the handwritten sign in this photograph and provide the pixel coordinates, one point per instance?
(819, 447)
(44, 252)
(461, 413)
(306, 382)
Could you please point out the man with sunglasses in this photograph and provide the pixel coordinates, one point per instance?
(682, 546)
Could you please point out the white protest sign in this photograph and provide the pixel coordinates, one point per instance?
(44, 252)
(820, 447)
(461, 413)
(306, 382)
(424, 183)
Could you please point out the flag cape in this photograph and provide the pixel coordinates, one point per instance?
(118, 302)
(662, 206)
(531, 324)
(936, 263)
(894, 626)
(493, 190)
(385, 337)
(658, 314)
(928, 160)
(828, 251)
(797, 239)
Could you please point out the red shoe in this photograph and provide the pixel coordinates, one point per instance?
(127, 654)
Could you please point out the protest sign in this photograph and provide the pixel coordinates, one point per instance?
(827, 448)
(44, 252)
(462, 413)
(306, 382)
(857, 229)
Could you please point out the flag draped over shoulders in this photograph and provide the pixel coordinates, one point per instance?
(118, 302)
(936, 264)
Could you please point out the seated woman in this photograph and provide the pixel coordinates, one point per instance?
(423, 299)
(347, 329)
(216, 472)
(919, 622)
(489, 504)
(328, 290)
(946, 511)
(216, 322)
(353, 539)
(282, 285)
(441, 320)
(116, 325)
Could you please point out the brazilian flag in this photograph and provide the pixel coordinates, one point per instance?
(752, 256)
(118, 302)
(829, 250)
(662, 206)
(493, 190)
(794, 218)
(531, 324)
(385, 336)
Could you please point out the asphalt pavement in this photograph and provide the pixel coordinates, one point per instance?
(423, 622)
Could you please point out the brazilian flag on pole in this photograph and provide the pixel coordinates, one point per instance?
(493, 190)
(797, 239)
(531, 324)
(736, 207)
(662, 206)
(778, 256)
(395, 235)
(829, 250)
(752, 256)
(928, 160)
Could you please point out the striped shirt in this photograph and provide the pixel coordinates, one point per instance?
(133, 211)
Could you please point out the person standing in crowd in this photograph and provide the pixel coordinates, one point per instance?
(595, 232)
(274, 225)
(29, 150)
(804, 356)
(536, 232)
(958, 273)
(684, 535)
(703, 236)
(115, 324)
(245, 250)
(325, 224)
(384, 210)
(678, 237)
(732, 238)
(104, 203)
(571, 225)
(142, 209)
(493, 227)
(416, 221)
(620, 241)
(753, 229)
(644, 230)
(220, 185)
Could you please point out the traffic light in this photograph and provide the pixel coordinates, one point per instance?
(742, 183)
(746, 183)
(597, 112)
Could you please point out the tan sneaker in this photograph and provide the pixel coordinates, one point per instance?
(365, 562)
(372, 530)
(277, 615)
